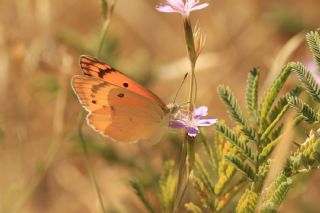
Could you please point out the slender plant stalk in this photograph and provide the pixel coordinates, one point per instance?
(88, 162)
(105, 27)
(181, 176)
(188, 152)
(103, 34)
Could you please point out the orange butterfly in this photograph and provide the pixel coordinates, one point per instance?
(119, 107)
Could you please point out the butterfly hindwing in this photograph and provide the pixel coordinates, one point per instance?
(93, 67)
(118, 112)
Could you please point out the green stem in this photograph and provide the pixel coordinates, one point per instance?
(185, 168)
(188, 152)
(93, 180)
(181, 175)
(88, 162)
(105, 27)
(192, 57)
(191, 99)
(103, 34)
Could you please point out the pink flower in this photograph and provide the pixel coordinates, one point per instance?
(178, 6)
(192, 124)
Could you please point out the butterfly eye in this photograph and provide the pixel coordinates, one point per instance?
(120, 95)
(125, 84)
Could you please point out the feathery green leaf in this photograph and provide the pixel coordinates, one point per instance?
(276, 193)
(282, 103)
(241, 146)
(272, 93)
(252, 91)
(274, 122)
(303, 109)
(266, 151)
(241, 166)
(276, 133)
(234, 110)
(307, 79)
(313, 40)
(167, 184)
(247, 203)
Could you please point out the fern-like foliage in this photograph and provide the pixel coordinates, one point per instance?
(279, 111)
(303, 109)
(313, 40)
(167, 184)
(234, 110)
(266, 151)
(308, 154)
(282, 103)
(225, 170)
(238, 159)
(276, 193)
(252, 91)
(241, 166)
(247, 202)
(272, 93)
(307, 79)
(233, 106)
(241, 146)
(270, 127)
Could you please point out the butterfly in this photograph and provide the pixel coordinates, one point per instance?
(119, 107)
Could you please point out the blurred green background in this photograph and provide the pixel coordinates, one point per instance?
(41, 163)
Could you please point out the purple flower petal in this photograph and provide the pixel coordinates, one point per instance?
(179, 6)
(199, 7)
(165, 8)
(177, 124)
(207, 122)
(192, 131)
(176, 3)
(192, 123)
(190, 4)
(200, 112)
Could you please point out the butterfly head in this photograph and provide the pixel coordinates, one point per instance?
(173, 109)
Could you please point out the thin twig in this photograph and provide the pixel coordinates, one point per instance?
(88, 162)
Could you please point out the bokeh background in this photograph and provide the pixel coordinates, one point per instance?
(42, 168)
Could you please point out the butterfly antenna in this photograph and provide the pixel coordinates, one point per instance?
(175, 97)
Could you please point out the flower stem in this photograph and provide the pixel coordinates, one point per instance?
(187, 157)
(103, 34)
(88, 162)
(106, 23)
(189, 37)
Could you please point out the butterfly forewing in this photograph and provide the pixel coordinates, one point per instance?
(93, 67)
(118, 112)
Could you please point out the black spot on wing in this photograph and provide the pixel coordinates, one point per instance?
(102, 72)
(92, 65)
(125, 84)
